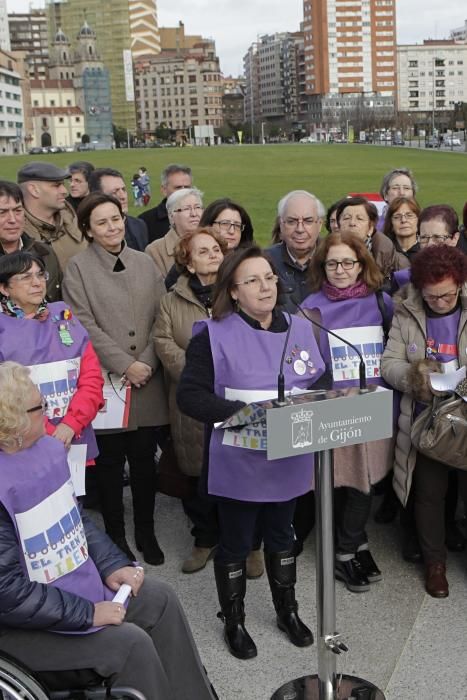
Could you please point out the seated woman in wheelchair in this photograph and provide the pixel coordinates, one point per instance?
(59, 572)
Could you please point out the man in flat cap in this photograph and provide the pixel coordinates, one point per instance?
(48, 217)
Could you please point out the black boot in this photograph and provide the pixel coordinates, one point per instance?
(282, 575)
(146, 542)
(231, 589)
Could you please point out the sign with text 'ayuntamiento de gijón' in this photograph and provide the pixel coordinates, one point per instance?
(326, 423)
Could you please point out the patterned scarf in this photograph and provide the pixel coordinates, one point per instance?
(355, 291)
(9, 308)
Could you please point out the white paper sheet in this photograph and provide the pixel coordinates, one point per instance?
(447, 382)
(77, 463)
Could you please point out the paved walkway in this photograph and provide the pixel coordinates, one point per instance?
(410, 645)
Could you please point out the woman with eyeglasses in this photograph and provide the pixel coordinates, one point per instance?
(347, 299)
(59, 574)
(184, 208)
(358, 216)
(429, 327)
(230, 220)
(55, 346)
(232, 359)
(115, 292)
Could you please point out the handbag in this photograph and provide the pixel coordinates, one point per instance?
(440, 431)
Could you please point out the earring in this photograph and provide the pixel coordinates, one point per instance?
(236, 305)
(19, 441)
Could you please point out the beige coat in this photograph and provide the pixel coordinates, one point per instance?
(64, 235)
(386, 256)
(118, 309)
(178, 311)
(406, 345)
(162, 251)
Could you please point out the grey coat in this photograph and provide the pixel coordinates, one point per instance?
(179, 310)
(118, 309)
(406, 345)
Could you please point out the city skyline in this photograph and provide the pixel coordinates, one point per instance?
(249, 18)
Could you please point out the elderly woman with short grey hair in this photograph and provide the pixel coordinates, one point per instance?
(184, 208)
(398, 182)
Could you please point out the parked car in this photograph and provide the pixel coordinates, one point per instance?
(308, 139)
(432, 142)
(451, 141)
(398, 141)
(35, 151)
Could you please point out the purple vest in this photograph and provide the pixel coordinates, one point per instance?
(246, 360)
(54, 366)
(441, 338)
(401, 277)
(359, 321)
(37, 492)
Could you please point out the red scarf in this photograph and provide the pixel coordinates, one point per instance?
(355, 291)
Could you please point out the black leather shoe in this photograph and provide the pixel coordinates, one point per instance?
(411, 551)
(123, 545)
(368, 565)
(352, 574)
(455, 540)
(152, 553)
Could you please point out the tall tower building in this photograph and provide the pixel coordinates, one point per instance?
(350, 51)
(28, 33)
(144, 30)
(122, 26)
(4, 31)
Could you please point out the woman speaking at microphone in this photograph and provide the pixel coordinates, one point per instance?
(233, 358)
(346, 280)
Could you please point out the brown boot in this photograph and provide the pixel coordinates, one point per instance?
(436, 583)
(198, 559)
(255, 564)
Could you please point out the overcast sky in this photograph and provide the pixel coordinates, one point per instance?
(235, 24)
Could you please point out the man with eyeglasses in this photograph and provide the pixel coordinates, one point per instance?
(109, 181)
(300, 216)
(173, 177)
(13, 238)
(48, 217)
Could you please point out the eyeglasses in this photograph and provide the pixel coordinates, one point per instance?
(401, 188)
(346, 264)
(28, 277)
(409, 216)
(225, 226)
(360, 219)
(256, 282)
(187, 210)
(306, 222)
(40, 407)
(425, 239)
(446, 297)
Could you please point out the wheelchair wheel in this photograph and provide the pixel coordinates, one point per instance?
(18, 684)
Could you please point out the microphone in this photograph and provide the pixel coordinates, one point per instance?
(280, 377)
(362, 366)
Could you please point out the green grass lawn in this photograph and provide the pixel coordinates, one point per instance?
(258, 176)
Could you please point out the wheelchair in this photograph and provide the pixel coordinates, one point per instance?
(18, 683)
